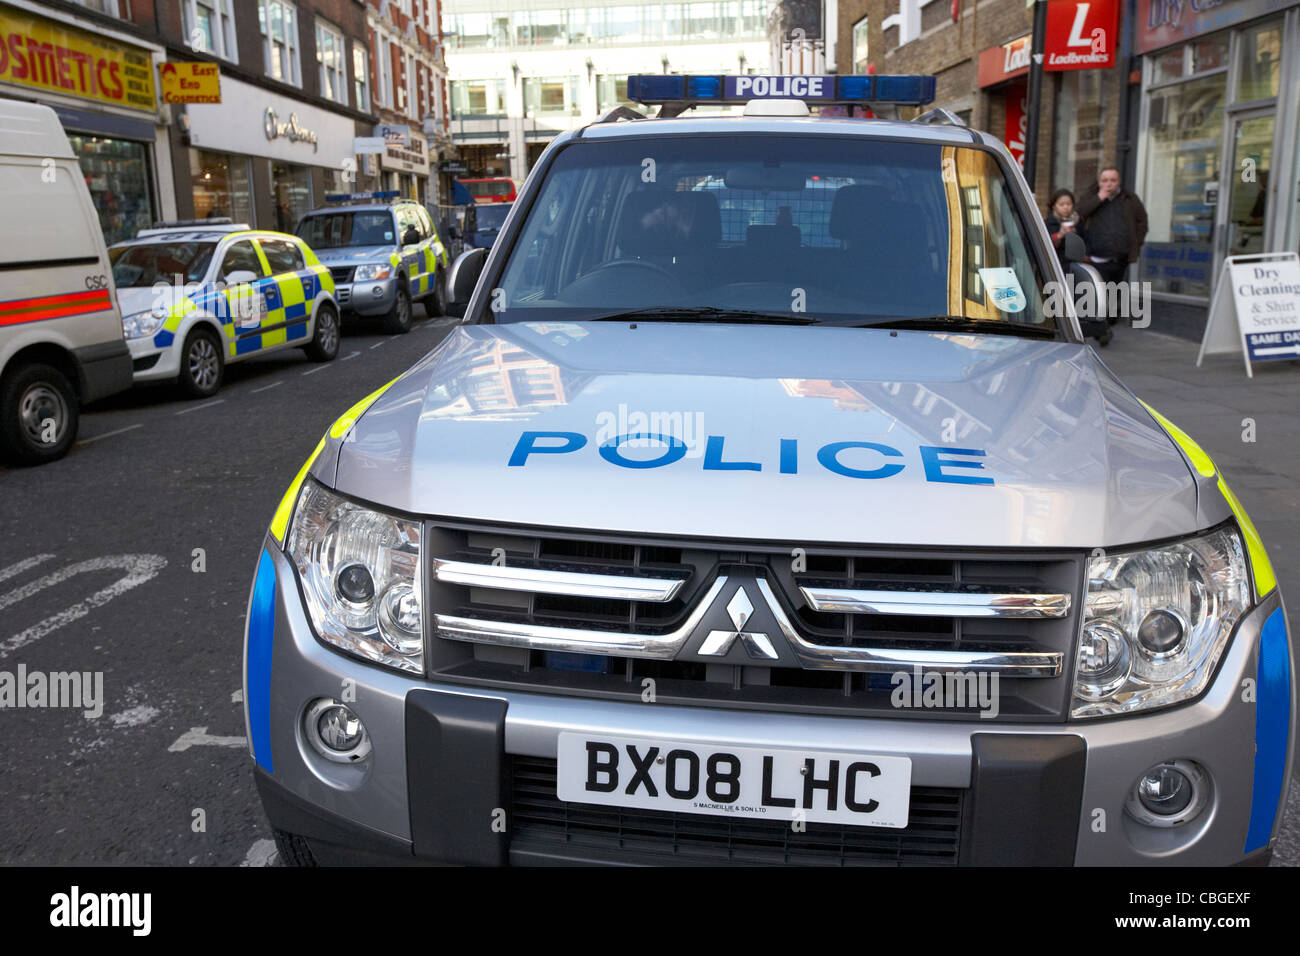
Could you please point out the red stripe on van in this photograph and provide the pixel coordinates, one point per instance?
(17, 311)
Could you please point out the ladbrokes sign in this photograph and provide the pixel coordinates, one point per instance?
(1080, 34)
(41, 54)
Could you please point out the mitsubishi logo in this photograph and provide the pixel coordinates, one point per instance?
(756, 644)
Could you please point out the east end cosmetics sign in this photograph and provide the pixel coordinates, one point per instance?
(1081, 34)
(41, 54)
(1162, 22)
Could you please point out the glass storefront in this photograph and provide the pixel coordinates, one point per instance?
(117, 172)
(1079, 148)
(221, 186)
(291, 196)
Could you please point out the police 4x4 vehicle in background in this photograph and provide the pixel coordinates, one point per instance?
(748, 520)
(383, 252)
(199, 294)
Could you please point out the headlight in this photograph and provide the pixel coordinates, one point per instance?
(372, 270)
(1156, 623)
(143, 323)
(360, 572)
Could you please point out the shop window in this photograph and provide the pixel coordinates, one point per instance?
(220, 185)
(210, 27)
(1209, 53)
(279, 24)
(329, 61)
(117, 172)
(361, 77)
(1079, 142)
(290, 194)
(1261, 61)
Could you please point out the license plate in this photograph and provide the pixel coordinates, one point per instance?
(815, 786)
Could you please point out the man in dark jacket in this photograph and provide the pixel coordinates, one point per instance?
(1113, 224)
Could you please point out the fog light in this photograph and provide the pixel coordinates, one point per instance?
(1104, 661)
(377, 291)
(335, 732)
(1169, 794)
(1161, 633)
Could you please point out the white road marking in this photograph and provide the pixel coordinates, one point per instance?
(199, 408)
(261, 853)
(139, 568)
(265, 387)
(135, 716)
(87, 441)
(26, 564)
(353, 355)
(199, 737)
(237, 697)
(377, 344)
(313, 371)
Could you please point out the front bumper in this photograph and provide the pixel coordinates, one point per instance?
(437, 785)
(367, 297)
(151, 363)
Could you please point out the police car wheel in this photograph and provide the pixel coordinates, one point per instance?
(398, 319)
(325, 342)
(293, 849)
(201, 364)
(436, 304)
(38, 406)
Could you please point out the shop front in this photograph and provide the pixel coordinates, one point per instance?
(1003, 72)
(1217, 150)
(263, 158)
(103, 90)
(405, 162)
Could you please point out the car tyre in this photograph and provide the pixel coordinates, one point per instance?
(201, 364)
(436, 304)
(294, 850)
(398, 319)
(324, 345)
(31, 395)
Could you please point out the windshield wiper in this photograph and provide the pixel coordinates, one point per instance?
(957, 323)
(707, 314)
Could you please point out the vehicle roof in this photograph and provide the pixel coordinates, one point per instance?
(30, 129)
(360, 207)
(191, 234)
(784, 125)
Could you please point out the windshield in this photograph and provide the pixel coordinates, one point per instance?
(335, 230)
(832, 230)
(143, 265)
(491, 217)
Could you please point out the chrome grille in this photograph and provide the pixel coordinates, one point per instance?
(587, 614)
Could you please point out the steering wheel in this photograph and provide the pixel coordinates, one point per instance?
(632, 264)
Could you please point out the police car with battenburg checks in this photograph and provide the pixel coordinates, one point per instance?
(384, 253)
(197, 295)
(928, 585)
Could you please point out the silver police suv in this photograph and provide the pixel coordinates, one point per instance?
(768, 506)
(383, 252)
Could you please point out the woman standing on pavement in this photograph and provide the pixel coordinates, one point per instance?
(1060, 219)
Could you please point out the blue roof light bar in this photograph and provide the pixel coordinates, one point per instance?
(657, 88)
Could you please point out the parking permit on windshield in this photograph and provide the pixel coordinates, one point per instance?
(1004, 288)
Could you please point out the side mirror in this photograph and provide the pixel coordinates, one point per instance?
(463, 277)
(1090, 302)
(240, 277)
(1072, 248)
(411, 236)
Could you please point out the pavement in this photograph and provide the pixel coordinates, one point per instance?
(1251, 429)
(133, 557)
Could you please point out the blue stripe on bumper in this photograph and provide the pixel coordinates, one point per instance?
(1272, 724)
(261, 636)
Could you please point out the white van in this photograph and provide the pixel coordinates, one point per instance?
(61, 341)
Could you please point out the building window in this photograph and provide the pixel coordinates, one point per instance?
(279, 21)
(611, 91)
(384, 70)
(551, 95)
(111, 7)
(210, 27)
(400, 81)
(361, 77)
(478, 98)
(860, 57)
(329, 59)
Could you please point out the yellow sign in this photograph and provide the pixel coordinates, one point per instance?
(191, 83)
(46, 55)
